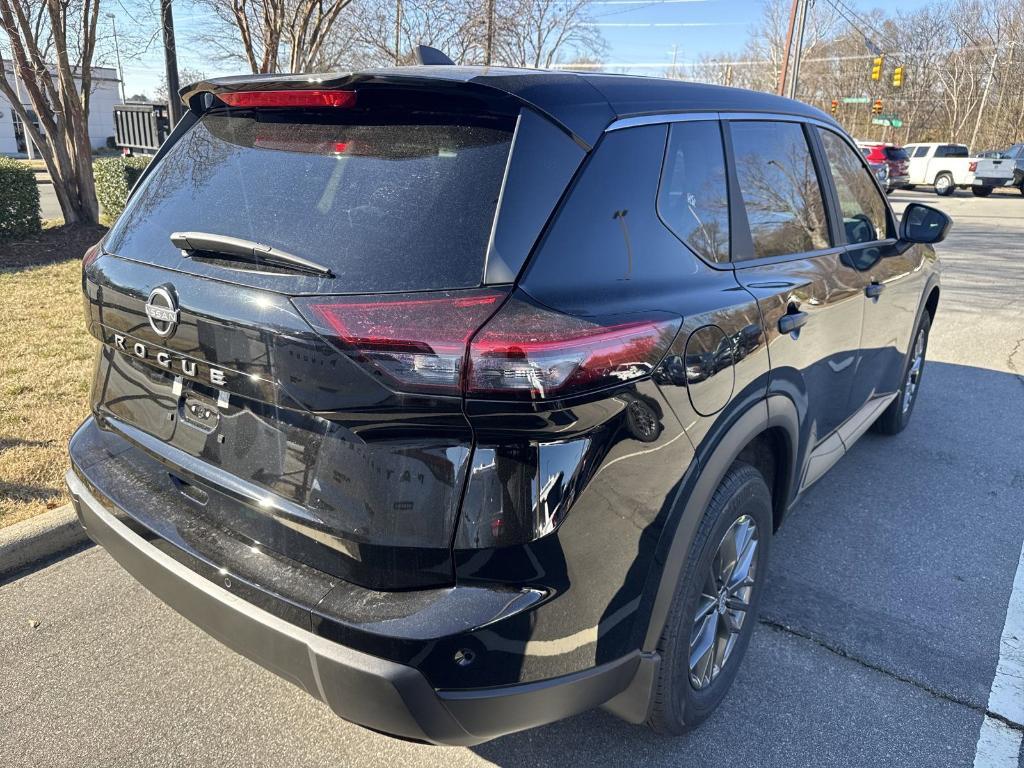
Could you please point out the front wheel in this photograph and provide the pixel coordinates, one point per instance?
(714, 610)
(981, 191)
(944, 186)
(895, 418)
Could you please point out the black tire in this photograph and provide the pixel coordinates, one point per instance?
(948, 188)
(981, 191)
(678, 703)
(895, 418)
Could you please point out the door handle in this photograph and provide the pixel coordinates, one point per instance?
(792, 321)
(874, 290)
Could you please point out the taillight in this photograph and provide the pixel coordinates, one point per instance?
(420, 342)
(972, 167)
(290, 99)
(416, 342)
(530, 352)
(90, 255)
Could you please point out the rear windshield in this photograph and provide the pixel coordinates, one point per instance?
(896, 153)
(952, 150)
(386, 204)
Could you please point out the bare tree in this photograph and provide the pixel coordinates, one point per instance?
(276, 35)
(539, 33)
(42, 37)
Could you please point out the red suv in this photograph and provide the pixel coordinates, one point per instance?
(895, 159)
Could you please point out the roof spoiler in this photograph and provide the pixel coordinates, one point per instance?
(424, 54)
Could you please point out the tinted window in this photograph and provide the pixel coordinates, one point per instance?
(779, 188)
(896, 153)
(388, 206)
(863, 210)
(693, 198)
(951, 150)
(920, 151)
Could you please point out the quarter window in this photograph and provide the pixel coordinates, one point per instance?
(862, 206)
(780, 188)
(693, 198)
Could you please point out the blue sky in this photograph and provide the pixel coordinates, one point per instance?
(637, 32)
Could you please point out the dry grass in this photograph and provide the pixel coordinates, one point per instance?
(45, 369)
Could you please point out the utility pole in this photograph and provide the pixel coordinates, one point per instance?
(781, 86)
(398, 32)
(675, 54)
(798, 49)
(170, 62)
(117, 51)
(489, 33)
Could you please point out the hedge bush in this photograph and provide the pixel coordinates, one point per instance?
(115, 177)
(19, 199)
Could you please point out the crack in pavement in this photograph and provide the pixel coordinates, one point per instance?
(838, 650)
(1009, 359)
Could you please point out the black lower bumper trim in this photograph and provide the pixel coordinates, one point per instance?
(373, 692)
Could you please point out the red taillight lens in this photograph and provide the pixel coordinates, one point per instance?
(290, 99)
(416, 341)
(972, 167)
(530, 352)
(90, 255)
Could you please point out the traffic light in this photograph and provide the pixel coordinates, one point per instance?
(835, 106)
(876, 69)
(897, 77)
(876, 108)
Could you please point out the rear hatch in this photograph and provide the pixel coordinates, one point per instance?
(289, 358)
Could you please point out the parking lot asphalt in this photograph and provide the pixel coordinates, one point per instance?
(879, 640)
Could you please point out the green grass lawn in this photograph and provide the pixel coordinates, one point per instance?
(45, 367)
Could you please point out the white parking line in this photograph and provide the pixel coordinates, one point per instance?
(998, 743)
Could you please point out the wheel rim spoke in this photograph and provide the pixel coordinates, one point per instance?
(724, 601)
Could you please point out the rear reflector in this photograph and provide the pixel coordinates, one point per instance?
(417, 341)
(531, 352)
(289, 99)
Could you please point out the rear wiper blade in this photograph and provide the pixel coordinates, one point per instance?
(192, 243)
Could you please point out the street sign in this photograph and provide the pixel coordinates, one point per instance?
(880, 121)
(855, 100)
(894, 122)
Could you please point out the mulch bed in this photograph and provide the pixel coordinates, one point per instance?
(50, 246)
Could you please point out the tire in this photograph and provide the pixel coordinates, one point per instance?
(944, 186)
(679, 703)
(895, 418)
(981, 191)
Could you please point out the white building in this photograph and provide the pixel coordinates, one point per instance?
(105, 95)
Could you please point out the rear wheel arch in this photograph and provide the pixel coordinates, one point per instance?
(767, 435)
(772, 421)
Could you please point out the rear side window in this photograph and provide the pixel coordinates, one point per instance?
(861, 204)
(895, 153)
(693, 198)
(780, 188)
(388, 205)
(920, 151)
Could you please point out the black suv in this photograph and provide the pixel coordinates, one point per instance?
(468, 399)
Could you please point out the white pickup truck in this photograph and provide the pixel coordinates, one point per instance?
(944, 166)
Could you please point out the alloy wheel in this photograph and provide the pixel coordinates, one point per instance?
(914, 372)
(724, 601)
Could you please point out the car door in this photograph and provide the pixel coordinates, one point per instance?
(791, 260)
(918, 168)
(892, 275)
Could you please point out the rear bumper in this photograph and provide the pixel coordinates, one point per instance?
(376, 693)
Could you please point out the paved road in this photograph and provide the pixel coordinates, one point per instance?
(49, 208)
(886, 599)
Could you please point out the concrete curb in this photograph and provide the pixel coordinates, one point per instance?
(39, 538)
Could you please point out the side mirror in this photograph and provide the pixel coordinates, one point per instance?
(924, 224)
